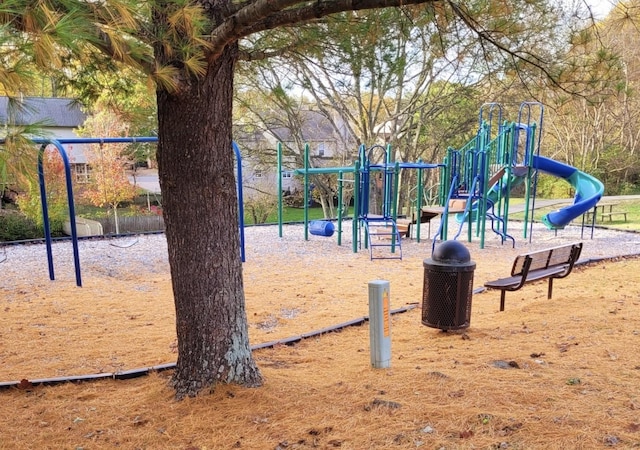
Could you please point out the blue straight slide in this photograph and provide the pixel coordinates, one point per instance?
(588, 189)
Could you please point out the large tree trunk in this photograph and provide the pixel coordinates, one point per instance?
(196, 168)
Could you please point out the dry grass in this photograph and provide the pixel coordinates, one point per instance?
(571, 376)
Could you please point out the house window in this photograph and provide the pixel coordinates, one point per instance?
(321, 149)
(287, 175)
(81, 173)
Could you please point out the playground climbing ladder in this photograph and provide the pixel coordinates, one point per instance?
(378, 185)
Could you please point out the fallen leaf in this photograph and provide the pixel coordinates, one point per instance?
(466, 434)
(24, 384)
(633, 427)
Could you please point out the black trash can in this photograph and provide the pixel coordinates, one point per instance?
(448, 287)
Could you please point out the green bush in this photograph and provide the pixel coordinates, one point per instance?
(15, 226)
(260, 207)
(30, 205)
(553, 187)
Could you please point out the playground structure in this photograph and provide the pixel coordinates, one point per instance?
(477, 178)
(501, 156)
(58, 144)
(378, 195)
(375, 197)
(481, 174)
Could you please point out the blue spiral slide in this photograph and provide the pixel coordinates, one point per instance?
(588, 189)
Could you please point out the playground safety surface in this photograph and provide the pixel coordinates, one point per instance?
(558, 373)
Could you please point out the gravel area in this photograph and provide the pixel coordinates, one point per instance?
(119, 257)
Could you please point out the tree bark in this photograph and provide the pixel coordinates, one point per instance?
(115, 218)
(196, 169)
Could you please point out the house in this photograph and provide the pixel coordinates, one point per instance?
(55, 118)
(329, 140)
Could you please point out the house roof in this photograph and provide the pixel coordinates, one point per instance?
(52, 112)
(314, 127)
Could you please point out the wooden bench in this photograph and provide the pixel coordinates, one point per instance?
(551, 263)
(456, 206)
(404, 227)
(604, 210)
(614, 213)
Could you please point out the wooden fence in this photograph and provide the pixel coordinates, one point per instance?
(133, 224)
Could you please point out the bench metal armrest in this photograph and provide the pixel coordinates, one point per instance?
(512, 283)
(575, 254)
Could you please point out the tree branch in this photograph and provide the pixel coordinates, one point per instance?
(88, 20)
(269, 14)
(485, 36)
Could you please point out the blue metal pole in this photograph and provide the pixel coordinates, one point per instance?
(72, 210)
(45, 211)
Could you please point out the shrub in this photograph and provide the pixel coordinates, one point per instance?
(259, 207)
(553, 187)
(15, 226)
(31, 206)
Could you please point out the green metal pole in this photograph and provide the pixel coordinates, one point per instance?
(531, 176)
(443, 181)
(485, 196)
(279, 152)
(366, 164)
(527, 197)
(387, 195)
(501, 161)
(356, 207)
(527, 190)
(505, 159)
(449, 176)
(394, 203)
(484, 169)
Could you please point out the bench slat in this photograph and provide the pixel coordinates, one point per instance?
(535, 275)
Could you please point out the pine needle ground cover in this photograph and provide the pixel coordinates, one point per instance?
(560, 373)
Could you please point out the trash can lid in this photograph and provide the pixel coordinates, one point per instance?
(451, 252)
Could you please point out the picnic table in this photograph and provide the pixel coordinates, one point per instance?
(605, 210)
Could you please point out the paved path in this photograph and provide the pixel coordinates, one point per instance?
(544, 202)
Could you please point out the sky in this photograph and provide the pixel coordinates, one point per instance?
(601, 8)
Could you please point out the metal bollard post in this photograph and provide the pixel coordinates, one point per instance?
(380, 323)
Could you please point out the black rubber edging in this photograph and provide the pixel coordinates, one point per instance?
(140, 372)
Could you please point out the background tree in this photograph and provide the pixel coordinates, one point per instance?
(126, 95)
(190, 50)
(376, 76)
(17, 162)
(402, 77)
(108, 183)
(30, 202)
(598, 130)
(18, 156)
(261, 201)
